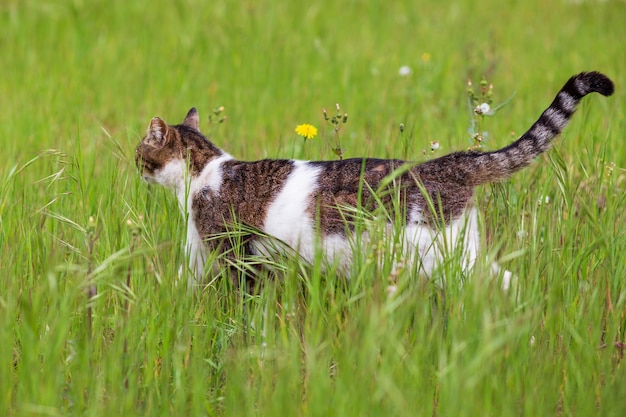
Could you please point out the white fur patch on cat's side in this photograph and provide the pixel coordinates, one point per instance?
(288, 217)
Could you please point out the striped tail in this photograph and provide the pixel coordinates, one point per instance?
(498, 165)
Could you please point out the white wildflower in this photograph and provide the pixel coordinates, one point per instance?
(404, 71)
(543, 200)
(483, 108)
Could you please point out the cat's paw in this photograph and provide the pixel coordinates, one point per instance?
(508, 279)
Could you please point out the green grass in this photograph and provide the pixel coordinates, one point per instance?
(79, 82)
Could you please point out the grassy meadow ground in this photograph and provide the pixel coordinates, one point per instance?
(79, 82)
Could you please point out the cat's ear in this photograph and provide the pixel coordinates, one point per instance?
(157, 132)
(192, 120)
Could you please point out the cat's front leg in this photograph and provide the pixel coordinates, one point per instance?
(195, 254)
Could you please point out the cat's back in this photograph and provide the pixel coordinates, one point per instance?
(261, 179)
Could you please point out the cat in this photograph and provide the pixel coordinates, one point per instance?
(306, 204)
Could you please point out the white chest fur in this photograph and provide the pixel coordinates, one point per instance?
(174, 176)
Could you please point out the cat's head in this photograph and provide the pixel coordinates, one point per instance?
(168, 153)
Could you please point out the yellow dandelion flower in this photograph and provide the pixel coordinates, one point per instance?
(306, 130)
(425, 57)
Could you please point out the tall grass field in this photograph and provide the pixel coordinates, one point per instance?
(94, 320)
